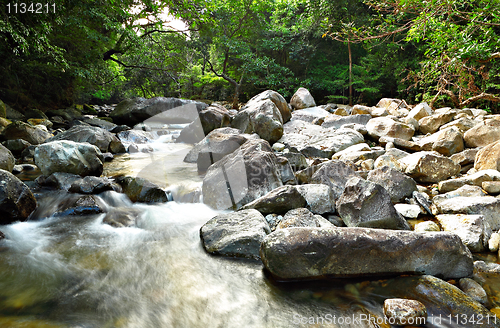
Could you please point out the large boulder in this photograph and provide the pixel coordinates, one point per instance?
(103, 139)
(310, 115)
(488, 157)
(449, 141)
(387, 127)
(278, 100)
(211, 118)
(324, 143)
(420, 111)
(398, 185)
(20, 130)
(427, 167)
(319, 198)
(262, 117)
(296, 253)
(136, 110)
(242, 176)
(16, 199)
(7, 160)
(278, 201)
(337, 121)
(432, 123)
(302, 98)
(235, 234)
(483, 134)
(334, 174)
(367, 204)
(70, 157)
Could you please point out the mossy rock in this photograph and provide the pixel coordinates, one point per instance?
(108, 119)
(89, 110)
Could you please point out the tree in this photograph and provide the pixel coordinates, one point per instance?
(459, 40)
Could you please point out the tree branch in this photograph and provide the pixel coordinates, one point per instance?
(482, 96)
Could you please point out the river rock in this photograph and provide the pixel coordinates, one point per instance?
(165, 110)
(464, 191)
(103, 139)
(16, 199)
(491, 187)
(278, 201)
(314, 115)
(235, 234)
(426, 226)
(474, 290)
(302, 99)
(463, 124)
(78, 205)
(404, 312)
(278, 100)
(336, 121)
(400, 143)
(465, 157)
(25, 131)
(398, 185)
(334, 174)
(474, 230)
(122, 217)
(16, 146)
(215, 146)
(135, 136)
(475, 179)
(488, 157)
(68, 156)
(483, 134)
(487, 267)
(302, 217)
(420, 111)
(387, 127)
(297, 161)
(286, 172)
(58, 180)
(142, 190)
(324, 143)
(432, 123)
(319, 198)
(94, 185)
(7, 160)
(408, 211)
(494, 242)
(242, 176)
(262, 117)
(487, 206)
(449, 141)
(211, 118)
(367, 204)
(428, 167)
(296, 253)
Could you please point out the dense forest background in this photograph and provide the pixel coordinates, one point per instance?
(445, 52)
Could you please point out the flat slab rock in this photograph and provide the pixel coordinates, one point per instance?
(306, 252)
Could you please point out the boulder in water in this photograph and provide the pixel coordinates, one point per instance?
(16, 199)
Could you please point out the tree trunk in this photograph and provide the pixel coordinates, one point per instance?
(350, 71)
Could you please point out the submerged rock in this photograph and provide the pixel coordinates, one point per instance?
(235, 234)
(296, 253)
(122, 217)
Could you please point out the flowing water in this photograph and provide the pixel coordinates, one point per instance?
(75, 271)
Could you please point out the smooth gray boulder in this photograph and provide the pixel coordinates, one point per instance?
(367, 204)
(235, 234)
(70, 157)
(16, 199)
(302, 98)
(262, 117)
(319, 198)
(398, 185)
(296, 253)
(387, 127)
(239, 178)
(103, 139)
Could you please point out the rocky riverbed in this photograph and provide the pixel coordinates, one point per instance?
(313, 193)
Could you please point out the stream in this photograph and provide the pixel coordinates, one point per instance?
(75, 271)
